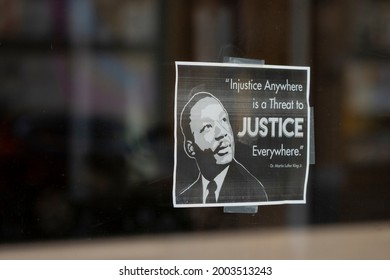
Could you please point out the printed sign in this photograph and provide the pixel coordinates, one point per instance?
(242, 134)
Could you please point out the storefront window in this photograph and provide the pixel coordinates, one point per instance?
(87, 111)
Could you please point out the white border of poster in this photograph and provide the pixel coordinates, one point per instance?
(263, 112)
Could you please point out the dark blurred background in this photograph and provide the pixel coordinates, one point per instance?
(87, 106)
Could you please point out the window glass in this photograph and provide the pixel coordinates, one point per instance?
(87, 108)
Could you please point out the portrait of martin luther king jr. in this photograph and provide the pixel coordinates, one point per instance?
(209, 140)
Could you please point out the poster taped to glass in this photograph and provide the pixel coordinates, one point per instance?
(242, 134)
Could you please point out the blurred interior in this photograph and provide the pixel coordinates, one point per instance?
(87, 106)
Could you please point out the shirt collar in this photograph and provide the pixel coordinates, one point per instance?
(218, 180)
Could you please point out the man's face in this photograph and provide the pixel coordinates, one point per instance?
(212, 132)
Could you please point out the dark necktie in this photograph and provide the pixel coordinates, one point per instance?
(212, 187)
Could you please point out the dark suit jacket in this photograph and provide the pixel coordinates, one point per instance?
(239, 186)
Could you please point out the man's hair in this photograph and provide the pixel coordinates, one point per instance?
(186, 113)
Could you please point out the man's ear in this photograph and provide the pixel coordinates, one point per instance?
(189, 148)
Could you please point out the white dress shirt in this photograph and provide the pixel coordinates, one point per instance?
(218, 180)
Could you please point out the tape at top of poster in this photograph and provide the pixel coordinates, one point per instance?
(242, 134)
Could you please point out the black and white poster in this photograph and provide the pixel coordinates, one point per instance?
(242, 134)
